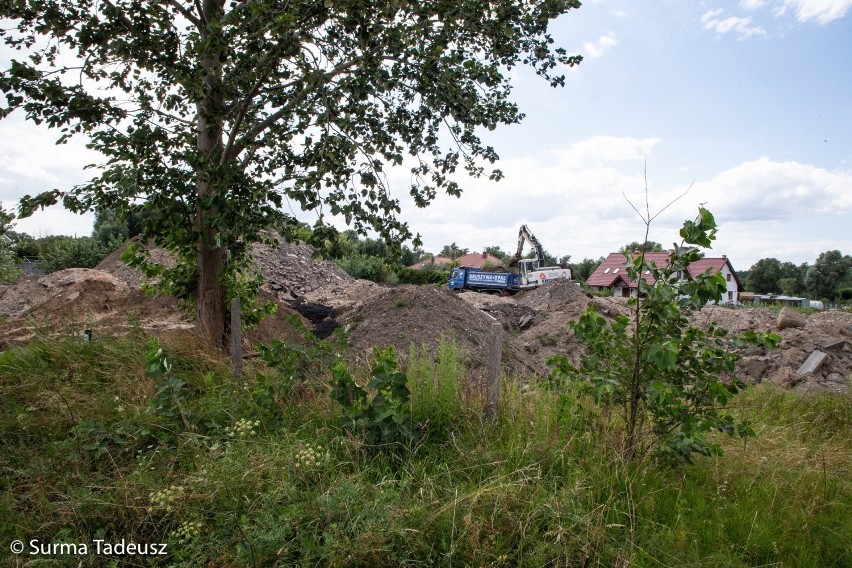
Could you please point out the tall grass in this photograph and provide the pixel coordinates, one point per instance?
(538, 486)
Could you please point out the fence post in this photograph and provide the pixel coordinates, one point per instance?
(495, 351)
(236, 338)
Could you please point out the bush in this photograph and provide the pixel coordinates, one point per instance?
(76, 252)
(364, 267)
(844, 294)
(423, 276)
(9, 269)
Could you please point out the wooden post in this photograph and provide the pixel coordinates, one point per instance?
(236, 339)
(493, 388)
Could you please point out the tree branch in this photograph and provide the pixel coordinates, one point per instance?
(237, 148)
(226, 155)
(186, 13)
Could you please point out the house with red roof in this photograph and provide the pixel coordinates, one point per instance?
(612, 274)
(474, 259)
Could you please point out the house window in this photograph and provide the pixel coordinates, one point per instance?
(606, 270)
(730, 296)
(647, 272)
(614, 270)
(729, 277)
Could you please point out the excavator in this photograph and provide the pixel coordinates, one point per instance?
(524, 273)
(532, 272)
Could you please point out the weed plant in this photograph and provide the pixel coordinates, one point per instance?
(242, 483)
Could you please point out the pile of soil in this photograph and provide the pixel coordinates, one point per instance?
(345, 295)
(780, 365)
(134, 278)
(504, 309)
(287, 269)
(78, 298)
(290, 271)
(418, 315)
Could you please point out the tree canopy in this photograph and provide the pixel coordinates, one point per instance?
(648, 246)
(453, 251)
(763, 277)
(211, 113)
(831, 272)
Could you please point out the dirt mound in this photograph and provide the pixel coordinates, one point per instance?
(288, 269)
(291, 272)
(80, 297)
(344, 295)
(420, 315)
(780, 365)
(93, 290)
(134, 278)
(504, 309)
(554, 295)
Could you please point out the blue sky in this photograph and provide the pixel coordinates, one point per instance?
(749, 103)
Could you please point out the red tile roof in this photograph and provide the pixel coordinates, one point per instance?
(614, 267)
(714, 265)
(616, 264)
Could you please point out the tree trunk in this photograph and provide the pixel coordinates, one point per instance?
(210, 294)
(210, 306)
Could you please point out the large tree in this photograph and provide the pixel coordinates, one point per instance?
(210, 113)
(763, 277)
(831, 271)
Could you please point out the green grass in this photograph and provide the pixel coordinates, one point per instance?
(537, 487)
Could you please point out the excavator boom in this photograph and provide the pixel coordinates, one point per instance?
(525, 235)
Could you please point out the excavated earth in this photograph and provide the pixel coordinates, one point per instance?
(108, 300)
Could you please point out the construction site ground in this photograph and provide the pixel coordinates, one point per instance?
(108, 300)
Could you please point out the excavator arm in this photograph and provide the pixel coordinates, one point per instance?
(525, 235)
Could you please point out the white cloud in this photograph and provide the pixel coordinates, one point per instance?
(713, 21)
(820, 11)
(571, 197)
(599, 150)
(32, 162)
(601, 46)
(768, 191)
(753, 4)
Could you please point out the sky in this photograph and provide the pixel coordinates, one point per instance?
(746, 107)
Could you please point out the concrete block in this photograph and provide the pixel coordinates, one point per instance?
(813, 363)
(835, 344)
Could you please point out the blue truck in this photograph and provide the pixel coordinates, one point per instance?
(477, 280)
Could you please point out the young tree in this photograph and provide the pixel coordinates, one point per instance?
(9, 269)
(667, 380)
(210, 113)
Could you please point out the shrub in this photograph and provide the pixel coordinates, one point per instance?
(362, 266)
(423, 276)
(10, 271)
(384, 420)
(76, 252)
